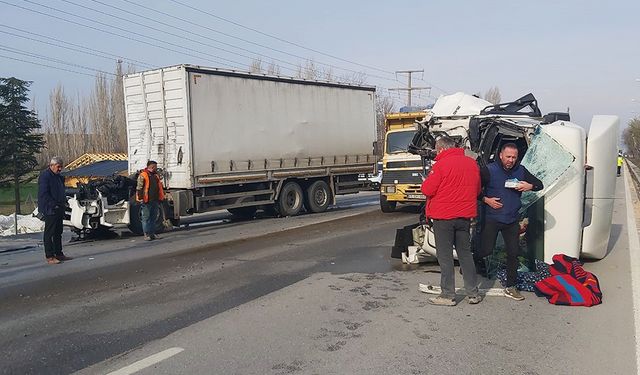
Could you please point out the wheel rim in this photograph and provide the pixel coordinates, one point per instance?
(320, 197)
(292, 199)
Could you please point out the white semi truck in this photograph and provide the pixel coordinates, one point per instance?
(238, 141)
(572, 214)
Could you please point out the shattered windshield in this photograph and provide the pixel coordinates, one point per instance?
(399, 141)
(551, 163)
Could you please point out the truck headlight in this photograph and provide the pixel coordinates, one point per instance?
(389, 189)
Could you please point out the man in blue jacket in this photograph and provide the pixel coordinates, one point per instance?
(51, 203)
(503, 182)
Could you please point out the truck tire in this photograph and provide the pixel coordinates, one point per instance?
(243, 212)
(290, 200)
(135, 219)
(317, 197)
(385, 205)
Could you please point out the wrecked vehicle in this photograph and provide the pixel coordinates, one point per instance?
(402, 165)
(572, 214)
(99, 204)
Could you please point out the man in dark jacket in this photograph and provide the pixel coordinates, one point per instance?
(452, 190)
(503, 182)
(51, 203)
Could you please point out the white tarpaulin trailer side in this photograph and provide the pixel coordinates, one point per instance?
(199, 122)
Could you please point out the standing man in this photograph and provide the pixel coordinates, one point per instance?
(452, 190)
(149, 193)
(504, 181)
(51, 203)
(619, 164)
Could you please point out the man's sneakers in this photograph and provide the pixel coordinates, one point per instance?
(442, 301)
(147, 237)
(53, 260)
(513, 293)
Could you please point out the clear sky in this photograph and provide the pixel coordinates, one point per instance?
(581, 55)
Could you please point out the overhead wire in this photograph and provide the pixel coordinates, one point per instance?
(49, 66)
(51, 59)
(214, 59)
(276, 37)
(94, 52)
(134, 39)
(227, 35)
(173, 34)
(46, 66)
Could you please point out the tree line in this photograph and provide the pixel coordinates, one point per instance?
(74, 125)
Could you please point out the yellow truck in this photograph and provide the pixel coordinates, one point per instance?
(401, 171)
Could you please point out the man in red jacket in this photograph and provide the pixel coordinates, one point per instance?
(452, 190)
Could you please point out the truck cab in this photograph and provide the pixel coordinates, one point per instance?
(572, 214)
(401, 170)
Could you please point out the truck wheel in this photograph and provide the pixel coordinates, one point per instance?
(290, 200)
(317, 197)
(386, 206)
(243, 212)
(135, 219)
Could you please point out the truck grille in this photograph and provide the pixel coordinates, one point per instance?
(403, 177)
(405, 164)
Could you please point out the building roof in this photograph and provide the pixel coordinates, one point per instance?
(102, 168)
(90, 158)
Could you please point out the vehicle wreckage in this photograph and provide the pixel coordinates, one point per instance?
(571, 215)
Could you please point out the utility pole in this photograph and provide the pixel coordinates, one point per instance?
(409, 88)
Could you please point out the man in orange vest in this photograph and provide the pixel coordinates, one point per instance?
(149, 193)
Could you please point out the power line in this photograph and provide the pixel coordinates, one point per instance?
(47, 66)
(52, 59)
(222, 33)
(128, 31)
(170, 33)
(99, 53)
(278, 38)
(123, 36)
(409, 89)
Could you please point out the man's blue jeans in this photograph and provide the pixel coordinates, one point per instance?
(150, 212)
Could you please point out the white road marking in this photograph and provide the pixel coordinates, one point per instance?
(146, 362)
(634, 257)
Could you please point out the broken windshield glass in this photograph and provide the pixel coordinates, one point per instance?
(551, 163)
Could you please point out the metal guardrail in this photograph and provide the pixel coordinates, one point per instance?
(635, 174)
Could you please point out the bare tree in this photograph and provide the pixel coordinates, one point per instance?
(273, 69)
(329, 75)
(117, 110)
(493, 95)
(356, 78)
(256, 66)
(384, 105)
(100, 117)
(298, 73)
(95, 123)
(311, 70)
(631, 137)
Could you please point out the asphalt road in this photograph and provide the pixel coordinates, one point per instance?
(315, 294)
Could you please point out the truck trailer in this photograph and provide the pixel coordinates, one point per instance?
(238, 141)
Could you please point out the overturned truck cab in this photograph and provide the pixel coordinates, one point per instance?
(572, 214)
